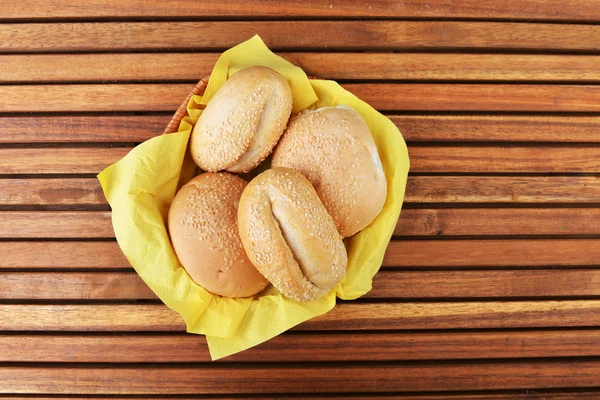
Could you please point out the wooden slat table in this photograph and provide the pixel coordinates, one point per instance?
(490, 288)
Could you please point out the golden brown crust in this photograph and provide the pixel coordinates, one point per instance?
(333, 148)
(242, 122)
(203, 228)
(289, 236)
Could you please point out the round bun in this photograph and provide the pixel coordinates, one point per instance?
(289, 236)
(242, 122)
(204, 232)
(333, 148)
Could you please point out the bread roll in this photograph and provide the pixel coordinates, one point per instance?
(204, 232)
(242, 122)
(289, 236)
(333, 148)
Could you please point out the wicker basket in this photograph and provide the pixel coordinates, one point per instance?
(181, 112)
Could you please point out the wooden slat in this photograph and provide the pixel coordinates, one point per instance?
(459, 315)
(386, 285)
(59, 160)
(448, 128)
(503, 9)
(499, 221)
(299, 378)
(443, 158)
(81, 128)
(492, 253)
(503, 128)
(504, 159)
(73, 286)
(292, 35)
(479, 97)
(420, 189)
(412, 222)
(383, 96)
(346, 316)
(56, 224)
(356, 66)
(518, 394)
(422, 253)
(122, 97)
(499, 189)
(69, 255)
(51, 191)
(418, 66)
(486, 284)
(290, 348)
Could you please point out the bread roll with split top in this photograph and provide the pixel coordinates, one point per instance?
(334, 149)
(289, 236)
(203, 228)
(242, 122)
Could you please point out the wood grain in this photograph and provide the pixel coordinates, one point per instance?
(492, 253)
(457, 315)
(299, 378)
(420, 189)
(338, 66)
(504, 158)
(87, 98)
(518, 394)
(479, 97)
(73, 286)
(489, 316)
(415, 128)
(295, 35)
(58, 160)
(311, 347)
(386, 285)
(486, 284)
(499, 221)
(443, 158)
(62, 255)
(412, 222)
(382, 96)
(56, 224)
(51, 191)
(570, 10)
(501, 128)
(500, 189)
(81, 255)
(81, 128)
(346, 316)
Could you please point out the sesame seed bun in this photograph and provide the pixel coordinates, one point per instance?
(204, 232)
(334, 149)
(289, 236)
(242, 122)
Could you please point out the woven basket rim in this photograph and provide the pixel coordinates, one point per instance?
(181, 112)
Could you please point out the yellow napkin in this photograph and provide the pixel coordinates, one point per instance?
(141, 186)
